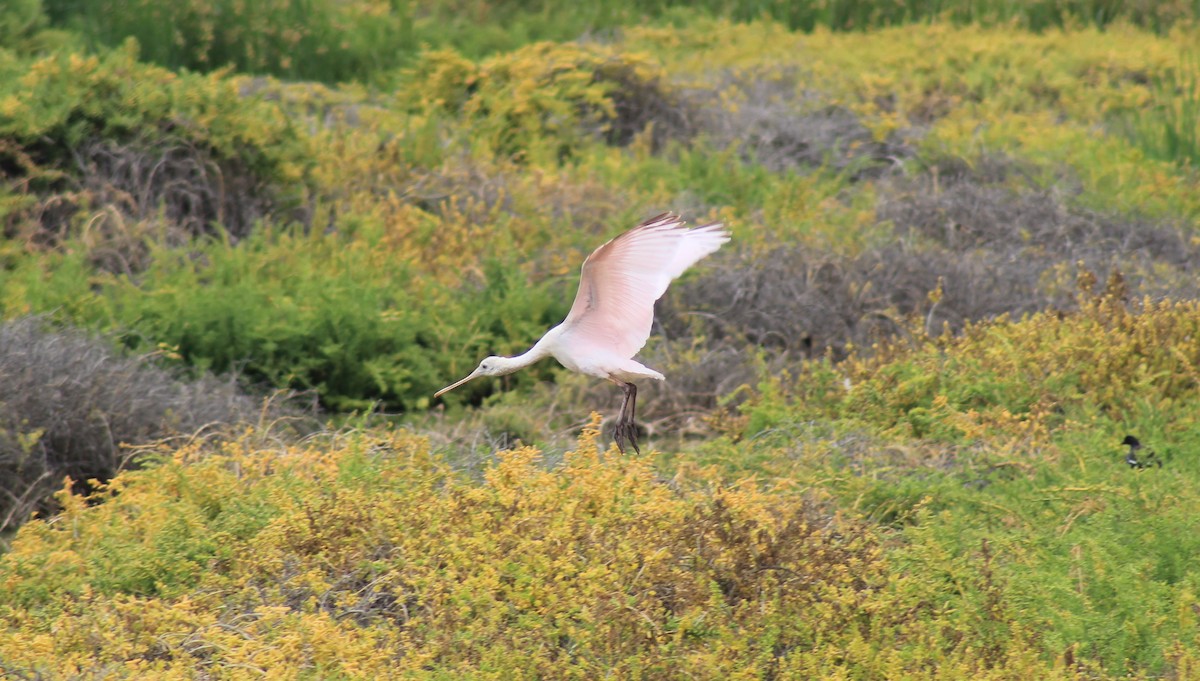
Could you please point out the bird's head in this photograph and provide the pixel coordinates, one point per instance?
(490, 366)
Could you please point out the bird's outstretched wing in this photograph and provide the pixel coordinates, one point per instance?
(622, 279)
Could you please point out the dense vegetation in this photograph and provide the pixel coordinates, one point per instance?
(240, 255)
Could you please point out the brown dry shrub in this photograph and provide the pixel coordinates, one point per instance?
(964, 213)
(71, 404)
(774, 120)
(176, 180)
(982, 249)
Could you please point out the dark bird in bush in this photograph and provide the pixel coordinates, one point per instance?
(614, 309)
(1149, 458)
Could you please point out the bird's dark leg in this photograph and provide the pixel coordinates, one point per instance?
(626, 429)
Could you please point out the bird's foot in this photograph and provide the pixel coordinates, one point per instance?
(626, 430)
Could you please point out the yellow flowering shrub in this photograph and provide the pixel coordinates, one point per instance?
(1113, 357)
(539, 102)
(363, 555)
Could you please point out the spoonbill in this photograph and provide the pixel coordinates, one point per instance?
(614, 309)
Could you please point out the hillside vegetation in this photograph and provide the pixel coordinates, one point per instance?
(240, 255)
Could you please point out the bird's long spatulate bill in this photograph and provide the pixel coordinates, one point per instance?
(454, 385)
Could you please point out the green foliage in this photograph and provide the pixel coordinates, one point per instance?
(1167, 128)
(1036, 15)
(60, 101)
(1002, 445)
(19, 20)
(364, 39)
(1106, 358)
(303, 311)
(309, 39)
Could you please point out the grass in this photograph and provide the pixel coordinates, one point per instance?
(1166, 129)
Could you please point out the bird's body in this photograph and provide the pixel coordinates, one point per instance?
(581, 353)
(614, 309)
(1149, 458)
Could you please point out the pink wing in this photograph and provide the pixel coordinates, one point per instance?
(622, 279)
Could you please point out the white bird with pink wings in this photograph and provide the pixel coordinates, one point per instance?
(614, 309)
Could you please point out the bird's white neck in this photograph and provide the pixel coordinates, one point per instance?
(507, 365)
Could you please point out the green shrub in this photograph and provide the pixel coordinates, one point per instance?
(1037, 15)
(996, 458)
(365, 40)
(334, 314)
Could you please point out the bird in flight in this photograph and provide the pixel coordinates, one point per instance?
(614, 309)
